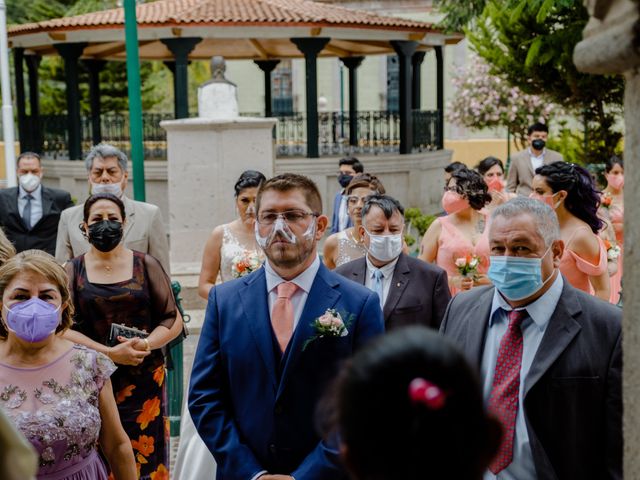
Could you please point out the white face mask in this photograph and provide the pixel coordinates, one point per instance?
(29, 182)
(111, 188)
(385, 247)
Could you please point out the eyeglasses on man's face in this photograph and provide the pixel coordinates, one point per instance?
(291, 217)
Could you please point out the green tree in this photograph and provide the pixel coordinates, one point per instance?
(530, 43)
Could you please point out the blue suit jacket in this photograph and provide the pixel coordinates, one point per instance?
(251, 417)
(335, 219)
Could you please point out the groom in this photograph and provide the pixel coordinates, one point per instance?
(261, 367)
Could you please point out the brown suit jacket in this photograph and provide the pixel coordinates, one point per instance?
(521, 173)
(418, 295)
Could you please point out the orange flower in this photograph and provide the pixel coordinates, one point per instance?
(124, 393)
(150, 410)
(607, 244)
(158, 375)
(141, 459)
(144, 445)
(138, 468)
(160, 474)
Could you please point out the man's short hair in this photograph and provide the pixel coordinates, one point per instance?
(353, 162)
(454, 167)
(292, 181)
(537, 127)
(542, 214)
(28, 155)
(104, 150)
(386, 203)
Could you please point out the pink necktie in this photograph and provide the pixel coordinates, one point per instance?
(503, 401)
(282, 314)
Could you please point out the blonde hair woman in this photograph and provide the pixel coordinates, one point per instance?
(7, 250)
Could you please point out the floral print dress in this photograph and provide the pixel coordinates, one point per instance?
(56, 408)
(144, 302)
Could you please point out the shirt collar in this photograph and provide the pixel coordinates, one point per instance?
(36, 194)
(544, 150)
(387, 270)
(540, 311)
(304, 281)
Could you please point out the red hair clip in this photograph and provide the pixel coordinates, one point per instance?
(427, 393)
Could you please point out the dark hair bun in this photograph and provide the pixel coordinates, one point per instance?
(248, 179)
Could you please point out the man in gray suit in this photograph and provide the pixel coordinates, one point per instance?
(107, 169)
(525, 162)
(549, 354)
(412, 292)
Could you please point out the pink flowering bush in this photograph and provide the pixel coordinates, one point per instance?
(486, 100)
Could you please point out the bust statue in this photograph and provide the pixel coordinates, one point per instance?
(217, 98)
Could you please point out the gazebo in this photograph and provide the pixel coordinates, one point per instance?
(265, 31)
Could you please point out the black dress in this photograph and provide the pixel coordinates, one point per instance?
(144, 302)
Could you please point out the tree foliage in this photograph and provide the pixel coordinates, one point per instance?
(531, 43)
(483, 101)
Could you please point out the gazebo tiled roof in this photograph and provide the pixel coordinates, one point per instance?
(233, 28)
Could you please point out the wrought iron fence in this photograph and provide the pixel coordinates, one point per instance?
(378, 132)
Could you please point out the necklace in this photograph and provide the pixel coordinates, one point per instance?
(109, 269)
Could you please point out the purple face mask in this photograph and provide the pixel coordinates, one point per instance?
(33, 320)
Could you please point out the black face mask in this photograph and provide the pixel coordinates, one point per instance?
(105, 235)
(344, 179)
(538, 144)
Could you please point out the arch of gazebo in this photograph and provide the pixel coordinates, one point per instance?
(265, 31)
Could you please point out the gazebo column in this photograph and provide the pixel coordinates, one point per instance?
(440, 96)
(94, 67)
(33, 63)
(267, 66)
(352, 63)
(171, 65)
(416, 62)
(311, 47)
(18, 61)
(181, 48)
(405, 50)
(71, 52)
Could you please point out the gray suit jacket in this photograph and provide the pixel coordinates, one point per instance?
(521, 173)
(418, 295)
(572, 394)
(144, 231)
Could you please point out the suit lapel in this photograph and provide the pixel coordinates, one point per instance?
(254, 298)
(130, 210)
(13, 212)
(399, 283)
(478, 312)
(322, 296)
(561, 330)
(47, 202)
(359, 272)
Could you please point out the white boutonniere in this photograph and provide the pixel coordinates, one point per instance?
(330, 324)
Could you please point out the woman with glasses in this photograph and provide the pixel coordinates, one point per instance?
(459, 241)
(345, 246)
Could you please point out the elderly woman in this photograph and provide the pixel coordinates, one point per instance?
(56, 393)
(117, 290)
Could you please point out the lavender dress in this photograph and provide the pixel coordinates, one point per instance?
(55, 406)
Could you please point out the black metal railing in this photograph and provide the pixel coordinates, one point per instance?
(378, 132)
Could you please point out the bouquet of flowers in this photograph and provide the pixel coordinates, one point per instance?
(245, 263)
(468, 265)
(606, 200)
(329, 324)
(613, 250)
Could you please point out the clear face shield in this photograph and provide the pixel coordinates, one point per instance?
(280, 229)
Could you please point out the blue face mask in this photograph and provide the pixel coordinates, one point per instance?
(517, 278)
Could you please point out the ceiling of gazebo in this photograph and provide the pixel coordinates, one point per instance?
(235, 29)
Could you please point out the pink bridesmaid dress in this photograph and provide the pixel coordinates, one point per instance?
(616, 214)
(453, 244)
(577, 270)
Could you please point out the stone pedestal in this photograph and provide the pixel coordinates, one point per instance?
(205, 158)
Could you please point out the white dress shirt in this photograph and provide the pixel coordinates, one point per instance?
(387, 275)
(304, 281)
(533, 328)
(36, 203)
(537, 162)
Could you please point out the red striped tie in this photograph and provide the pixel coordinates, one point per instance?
(503, 401)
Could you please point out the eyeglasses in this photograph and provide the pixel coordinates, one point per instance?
(292, 217)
